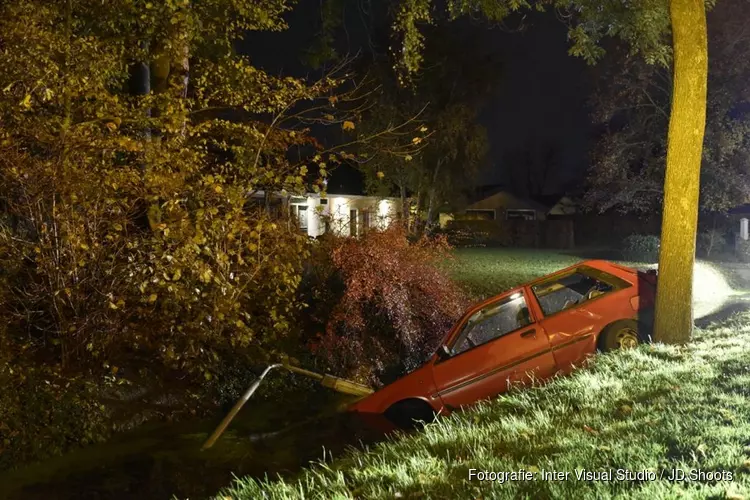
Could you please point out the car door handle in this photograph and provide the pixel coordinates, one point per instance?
(529, 334)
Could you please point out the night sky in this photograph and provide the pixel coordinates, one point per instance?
(541, 100)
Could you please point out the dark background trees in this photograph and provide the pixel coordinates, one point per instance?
(632, 103)
(459, 78)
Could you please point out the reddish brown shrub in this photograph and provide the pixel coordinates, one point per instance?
(394, 305)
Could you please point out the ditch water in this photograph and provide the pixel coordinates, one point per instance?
(164, 461)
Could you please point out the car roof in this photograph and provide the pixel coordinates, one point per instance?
(602, 265)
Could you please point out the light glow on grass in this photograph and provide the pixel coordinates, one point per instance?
(711, 292)
(709, 284)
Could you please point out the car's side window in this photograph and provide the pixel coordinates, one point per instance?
(493, 321)
(573, 289)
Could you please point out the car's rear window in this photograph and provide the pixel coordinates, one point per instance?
(574, 288)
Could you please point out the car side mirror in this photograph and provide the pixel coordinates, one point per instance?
(443, 352)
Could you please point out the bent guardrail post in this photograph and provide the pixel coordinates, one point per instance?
(327, 380)
(236, 408)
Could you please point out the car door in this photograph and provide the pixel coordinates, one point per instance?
(494, 344)
(574, 308)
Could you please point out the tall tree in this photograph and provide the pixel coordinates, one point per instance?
(460, 68)
(674, 313)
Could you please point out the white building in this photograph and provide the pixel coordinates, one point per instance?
(341, 214)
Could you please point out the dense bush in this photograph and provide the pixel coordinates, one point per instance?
(124, 218)
(43, 414)
(88, 283)
(386, 302)
(87, 277)
(641, 248)
(124, 227)
(126, 231)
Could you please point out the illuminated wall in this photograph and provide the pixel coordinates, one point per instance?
(371, 213)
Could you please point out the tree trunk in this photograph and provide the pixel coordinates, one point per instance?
(432, 196)
(417, 210)
(181, 69)
(404, 207)
(159, 74)
(140, 85)
(171, 66)
(674, 306)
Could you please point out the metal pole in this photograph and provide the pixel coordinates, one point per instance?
(236, 408)
(302, 371)
(335, 383)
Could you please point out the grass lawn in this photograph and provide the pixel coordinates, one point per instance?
(485, 272)
(647, 411)
(488, 271)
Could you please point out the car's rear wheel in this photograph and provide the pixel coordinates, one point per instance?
(410, 414)
(620, 335)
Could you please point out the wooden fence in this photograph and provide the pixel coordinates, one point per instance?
(563, 233)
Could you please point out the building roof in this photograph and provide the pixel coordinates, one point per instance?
(483, 192)
(548, 200)
(277, 195)
(509, 200)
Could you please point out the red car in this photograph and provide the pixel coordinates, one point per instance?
(535, 331)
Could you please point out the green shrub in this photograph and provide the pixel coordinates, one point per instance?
(125, 227)
(183, 287)
(641, 248)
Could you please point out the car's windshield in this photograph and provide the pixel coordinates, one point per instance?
(493, 321)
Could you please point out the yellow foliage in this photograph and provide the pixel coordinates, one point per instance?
(147, 224)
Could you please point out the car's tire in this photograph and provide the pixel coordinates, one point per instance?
(625, 334)
(410, 414)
